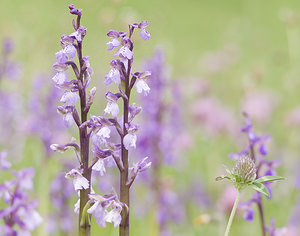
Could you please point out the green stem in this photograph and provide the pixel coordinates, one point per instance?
(85, 222)
(261, 214)
(232, 213)
(124, 189)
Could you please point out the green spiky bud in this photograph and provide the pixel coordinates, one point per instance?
(244, 172)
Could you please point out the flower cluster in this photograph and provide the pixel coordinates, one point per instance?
(105, 208)
(20, 216)
(105, 152)
(75, 90)
(72, 46)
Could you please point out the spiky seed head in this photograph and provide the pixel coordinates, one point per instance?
(244, 172)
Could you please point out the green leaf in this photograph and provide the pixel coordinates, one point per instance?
(268, 178)
(221, 177)
(260, 188)
(85, 217)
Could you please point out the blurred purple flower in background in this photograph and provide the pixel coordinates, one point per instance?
(219, 61)
(226, 201)
(61, 218)
(44, 120)
(8, 68)
(292, 118)
(19, 216)
(4, 164)
(162, 122)
(213, 117)
(260, 105)
(11, 108)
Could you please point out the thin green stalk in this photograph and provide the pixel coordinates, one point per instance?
(261, 214)
(232, 214)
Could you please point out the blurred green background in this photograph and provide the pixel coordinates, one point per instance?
(261, 40)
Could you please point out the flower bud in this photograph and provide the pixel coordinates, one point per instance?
(244, 172)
